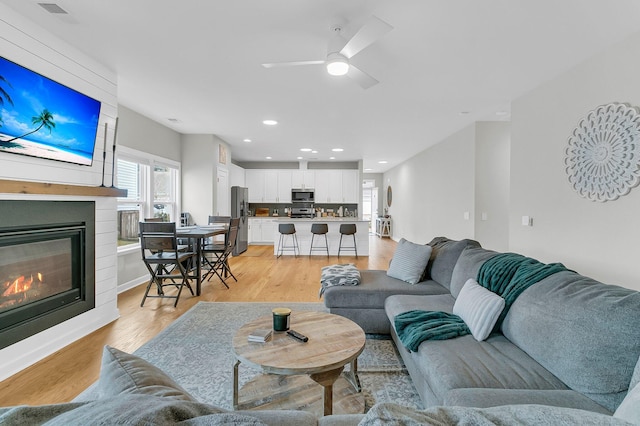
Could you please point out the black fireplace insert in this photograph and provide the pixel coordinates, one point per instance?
(47, 262)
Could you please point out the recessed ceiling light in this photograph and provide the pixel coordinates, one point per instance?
(383, 162)
(332, 158)
(246, 140)
(314, 152)
(270, 122)
(268, 158)
(367, 170)
(337, 150)
(299, 158)
(305, 149)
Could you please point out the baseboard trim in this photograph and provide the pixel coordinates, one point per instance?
(133, 283)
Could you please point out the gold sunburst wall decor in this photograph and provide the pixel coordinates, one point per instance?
(603, 156)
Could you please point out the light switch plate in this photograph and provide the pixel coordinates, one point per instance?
(527, 221)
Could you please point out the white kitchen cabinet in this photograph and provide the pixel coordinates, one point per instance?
(270, 183)
(255, 182)
(268, 230)
(303, 179)
(337, 186)
(284, 186)
(268, 186)
(350, 186)
(261, 230)
(331, 186)
(322, 193)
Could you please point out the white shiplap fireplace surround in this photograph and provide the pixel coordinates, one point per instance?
(23, 42)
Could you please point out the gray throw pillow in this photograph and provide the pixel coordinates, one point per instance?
(148, 410)
(479, 308)
(123, 373)
(409, 261)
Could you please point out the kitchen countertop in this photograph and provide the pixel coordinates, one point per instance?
(317, 219)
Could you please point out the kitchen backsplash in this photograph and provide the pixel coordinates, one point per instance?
(279, 209)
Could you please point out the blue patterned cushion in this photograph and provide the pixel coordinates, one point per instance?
(343, 274)
(409, 261)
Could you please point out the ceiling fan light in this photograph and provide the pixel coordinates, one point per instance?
(337, 64)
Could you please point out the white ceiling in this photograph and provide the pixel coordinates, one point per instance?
(446, 64)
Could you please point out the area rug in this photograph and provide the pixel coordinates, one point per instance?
(195, 350)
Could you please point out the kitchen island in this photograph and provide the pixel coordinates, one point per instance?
(303, 232)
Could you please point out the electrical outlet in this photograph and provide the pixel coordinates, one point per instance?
(527, 221)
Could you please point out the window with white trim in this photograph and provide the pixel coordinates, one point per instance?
(152, 185)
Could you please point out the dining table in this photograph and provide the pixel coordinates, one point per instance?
(199, 233)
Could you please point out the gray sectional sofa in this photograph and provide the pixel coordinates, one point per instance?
(567, 341)
(567, 354)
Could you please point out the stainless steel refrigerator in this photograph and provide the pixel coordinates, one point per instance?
(240, 209)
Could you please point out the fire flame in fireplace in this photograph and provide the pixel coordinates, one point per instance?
(20, 285)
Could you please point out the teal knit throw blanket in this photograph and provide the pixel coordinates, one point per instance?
(506, 274)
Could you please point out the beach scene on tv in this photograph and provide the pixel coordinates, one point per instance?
(42, 118)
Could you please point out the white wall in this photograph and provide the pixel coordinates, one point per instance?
(432, 190)
(236, 177)
(200, 163)
(492, 184)
(26, 44)
(596, 239)
(143, 134)
(138, 132)
(23, 42)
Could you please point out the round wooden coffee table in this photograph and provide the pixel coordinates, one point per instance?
(334, 342)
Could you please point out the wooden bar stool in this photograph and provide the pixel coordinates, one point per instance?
(319, 229)
(287, 229)
(348, 229)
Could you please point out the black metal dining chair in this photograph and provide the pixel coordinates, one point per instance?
(215, 246)
(167, 265)
(220, 266)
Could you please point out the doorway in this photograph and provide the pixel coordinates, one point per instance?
(370, 203)
(223, 196)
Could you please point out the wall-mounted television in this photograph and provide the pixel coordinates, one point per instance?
(42, 118)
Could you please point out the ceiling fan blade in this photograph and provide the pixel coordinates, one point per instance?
(292, 64)
(362, 78)
(371, 31)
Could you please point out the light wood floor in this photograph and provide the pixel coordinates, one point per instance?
(261, 278)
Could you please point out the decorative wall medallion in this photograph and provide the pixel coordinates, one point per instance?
(603, 157)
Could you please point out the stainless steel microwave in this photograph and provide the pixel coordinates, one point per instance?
(302, 195)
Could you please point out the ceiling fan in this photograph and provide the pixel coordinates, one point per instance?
(337, 61)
